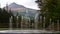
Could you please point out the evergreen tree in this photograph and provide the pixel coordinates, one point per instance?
(4, 16)
(50, 8)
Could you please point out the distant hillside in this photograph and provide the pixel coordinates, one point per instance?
(21, 9)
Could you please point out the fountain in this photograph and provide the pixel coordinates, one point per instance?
(22, 22)
(44, 23)
(22, 31)
(53, 25)
(10, 24)
(41, 21)
(36, 20)
(29, 23)
(58, 24)
(17, 22)
(50, 24)
(26, 19)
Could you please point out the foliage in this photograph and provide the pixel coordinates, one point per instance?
(51, 9)
(4, 16)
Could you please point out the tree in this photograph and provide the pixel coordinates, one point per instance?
(4, 16)
(42, 10)
(49, 8)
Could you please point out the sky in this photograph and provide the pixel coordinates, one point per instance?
(26, 3)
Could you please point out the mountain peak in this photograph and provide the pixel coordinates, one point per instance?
(14, 5)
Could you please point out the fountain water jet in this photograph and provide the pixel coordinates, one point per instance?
(36, 20)
(58, 24)
(10, 22)
(29, 23)
(44, 23)
(41, 21)
(50, 24)
(26, 19)
(53, 25)
(17, 22)
(21, 22)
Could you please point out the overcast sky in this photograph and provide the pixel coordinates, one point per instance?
(26, 3)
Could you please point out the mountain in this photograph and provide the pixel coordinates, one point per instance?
(15, 8)
(14, 5)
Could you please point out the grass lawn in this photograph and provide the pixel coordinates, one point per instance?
(16, 29)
